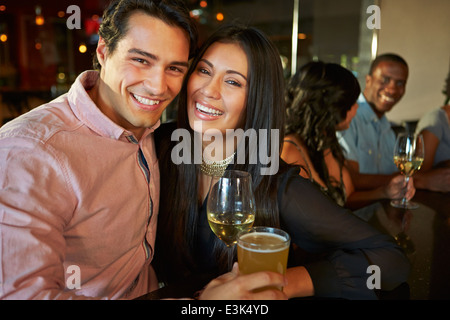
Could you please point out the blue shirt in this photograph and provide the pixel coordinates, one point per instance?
(369, 141)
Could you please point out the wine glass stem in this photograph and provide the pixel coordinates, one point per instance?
(404, 201)
(230, 258)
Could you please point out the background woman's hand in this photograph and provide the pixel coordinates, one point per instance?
(397, 188)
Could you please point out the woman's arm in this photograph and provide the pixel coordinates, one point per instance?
(348, 244)
(395, 189)
(431, 143)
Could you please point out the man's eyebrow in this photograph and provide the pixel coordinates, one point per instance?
(229, 71)
(154, 57)
(143, 53)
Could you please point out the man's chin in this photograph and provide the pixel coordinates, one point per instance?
(386, 107)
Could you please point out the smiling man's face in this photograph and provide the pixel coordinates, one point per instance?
(386, 86)
(144, 73)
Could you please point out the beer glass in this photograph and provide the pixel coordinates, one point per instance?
(263, 249)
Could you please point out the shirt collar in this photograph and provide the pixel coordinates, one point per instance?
(88, 112)
(366, 112)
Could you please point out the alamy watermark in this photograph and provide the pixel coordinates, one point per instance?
(259, 146)
(374, 21)
(74, 21)
(374, 280)
(73, 281)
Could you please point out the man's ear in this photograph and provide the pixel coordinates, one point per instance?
(368, 80)
(101, 51)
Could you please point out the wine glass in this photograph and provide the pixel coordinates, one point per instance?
(231, 207)
(408, 157)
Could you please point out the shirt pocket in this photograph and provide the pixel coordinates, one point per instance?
(367, 157)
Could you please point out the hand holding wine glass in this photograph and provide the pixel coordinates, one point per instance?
(409, 153)
(231, 206)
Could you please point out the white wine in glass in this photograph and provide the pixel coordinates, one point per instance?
(409, 153)
(231, 206)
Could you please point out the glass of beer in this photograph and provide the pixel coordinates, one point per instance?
(263, 249)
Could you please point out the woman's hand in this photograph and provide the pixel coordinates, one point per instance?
(232, 286)
(397, 188)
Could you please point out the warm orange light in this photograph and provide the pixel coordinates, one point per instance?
(3, 37)
(302, 36)
(38, 46)
(82, 48)
(39, 20)
(61, 14)
(219, 16)
(2, 8)
(203, 4)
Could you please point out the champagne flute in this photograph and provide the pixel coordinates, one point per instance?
(231, 207)
(409, 153)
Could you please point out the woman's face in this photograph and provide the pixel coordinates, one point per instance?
(217, 89)
(345, 124)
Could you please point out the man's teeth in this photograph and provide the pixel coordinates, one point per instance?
(388, 99)
(145, 100)
(208, 110)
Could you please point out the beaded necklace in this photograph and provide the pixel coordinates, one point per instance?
(215, 168)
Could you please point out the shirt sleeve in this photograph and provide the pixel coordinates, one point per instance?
(346, 244)
(34, 210)
(433, 122)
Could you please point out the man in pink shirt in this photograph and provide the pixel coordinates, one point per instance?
(79, 176)
(79, 179)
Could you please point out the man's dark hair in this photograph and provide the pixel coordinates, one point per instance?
(114, 24)
(391, 57)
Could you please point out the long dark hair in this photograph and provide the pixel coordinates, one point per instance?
(177, 225)
(318, 97)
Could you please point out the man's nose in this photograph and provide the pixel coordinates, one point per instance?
(156, 83)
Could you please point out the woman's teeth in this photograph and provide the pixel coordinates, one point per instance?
(145, 101)
(209, 111)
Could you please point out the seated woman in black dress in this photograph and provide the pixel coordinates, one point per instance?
(237, 82)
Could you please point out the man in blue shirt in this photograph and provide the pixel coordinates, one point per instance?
(369, 142)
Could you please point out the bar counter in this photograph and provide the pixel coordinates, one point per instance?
(424, 234)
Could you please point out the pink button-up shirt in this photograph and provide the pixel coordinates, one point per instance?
(78, 208)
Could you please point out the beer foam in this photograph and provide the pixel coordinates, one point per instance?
(279, 245)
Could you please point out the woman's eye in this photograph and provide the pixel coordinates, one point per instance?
(234, 83)
(203, 70)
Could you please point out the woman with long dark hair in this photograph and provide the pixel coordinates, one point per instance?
(236, 82)
(321, 98)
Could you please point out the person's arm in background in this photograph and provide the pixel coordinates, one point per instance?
(429, 178)
(390, 187)
(363, 181)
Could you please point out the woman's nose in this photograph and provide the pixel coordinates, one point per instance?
(211, 89)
